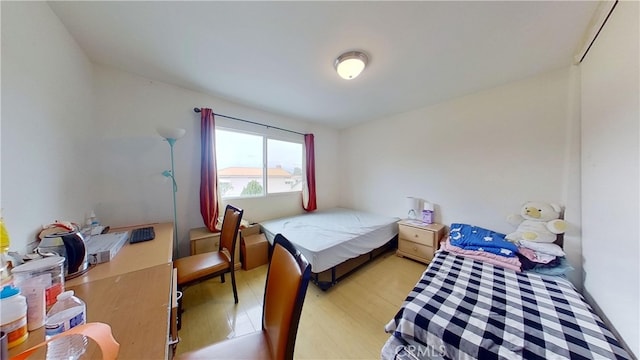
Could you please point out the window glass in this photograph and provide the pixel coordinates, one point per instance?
(284, 166)
(240, 157)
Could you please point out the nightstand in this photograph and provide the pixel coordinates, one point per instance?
(417, 240)
(202, 240)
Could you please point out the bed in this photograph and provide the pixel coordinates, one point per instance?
(335, 241)
(467, 309)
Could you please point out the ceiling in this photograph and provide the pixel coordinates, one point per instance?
(278, 56)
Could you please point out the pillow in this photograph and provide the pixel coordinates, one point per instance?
(545, 248)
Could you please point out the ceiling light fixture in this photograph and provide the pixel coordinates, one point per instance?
(350, 64)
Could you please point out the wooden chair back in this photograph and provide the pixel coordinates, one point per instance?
(229, 231)
(286, 286)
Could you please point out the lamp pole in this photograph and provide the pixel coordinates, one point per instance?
(171, 135)
(175, 190)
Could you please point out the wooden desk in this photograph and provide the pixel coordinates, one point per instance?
(137, 313)
(134, 257)
(132, 293)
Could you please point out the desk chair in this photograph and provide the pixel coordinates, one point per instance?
(285, 289)
(196, 268)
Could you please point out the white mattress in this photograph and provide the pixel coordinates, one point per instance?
(329, 237)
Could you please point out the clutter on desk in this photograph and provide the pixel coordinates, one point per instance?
(71, 246)
(45, 275)
(104, 247)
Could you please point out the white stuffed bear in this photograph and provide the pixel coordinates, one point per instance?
(538, 222)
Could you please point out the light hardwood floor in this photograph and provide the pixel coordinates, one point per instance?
(345, 322)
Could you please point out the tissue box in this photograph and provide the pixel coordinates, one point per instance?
(427, 216)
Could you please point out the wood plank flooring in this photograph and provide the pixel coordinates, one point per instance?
(345, 322)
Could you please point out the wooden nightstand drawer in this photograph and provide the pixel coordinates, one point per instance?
(418, 241)
(415, 250)
(202, 240)
(420, 236)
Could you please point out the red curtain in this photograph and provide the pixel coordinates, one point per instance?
(309, 190)
(208, 175)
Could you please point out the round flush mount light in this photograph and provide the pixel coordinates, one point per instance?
(350, 64)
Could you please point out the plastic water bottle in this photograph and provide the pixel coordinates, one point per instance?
(68, 312)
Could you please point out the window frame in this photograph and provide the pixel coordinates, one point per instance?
(265, 135)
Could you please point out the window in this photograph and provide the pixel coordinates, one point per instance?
(240, 157)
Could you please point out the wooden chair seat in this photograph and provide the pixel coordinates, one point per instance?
(200, 266)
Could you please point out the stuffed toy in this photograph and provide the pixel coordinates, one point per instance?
(537, 221)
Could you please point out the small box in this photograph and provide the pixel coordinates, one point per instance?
(255, 251)
(104, 247)
(427, 216)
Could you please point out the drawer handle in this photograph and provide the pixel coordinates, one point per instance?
(415, 248)
(415, 235)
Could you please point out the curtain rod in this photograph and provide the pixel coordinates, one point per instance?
(251, 122)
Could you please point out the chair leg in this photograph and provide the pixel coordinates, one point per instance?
(222, 278)
(233, 284)
(179, 320)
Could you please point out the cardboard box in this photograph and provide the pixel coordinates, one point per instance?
(255, 251)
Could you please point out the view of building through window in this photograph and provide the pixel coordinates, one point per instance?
(240, 157)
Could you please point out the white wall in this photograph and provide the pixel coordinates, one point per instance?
(610, 171)
(47, 120)
(132, 155)
(78, 136)
(478, 157)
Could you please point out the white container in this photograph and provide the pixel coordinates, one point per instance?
(68, 312)
(34, 290)
(53, 265)
(13, 317)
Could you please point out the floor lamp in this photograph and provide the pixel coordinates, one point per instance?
(171, 135)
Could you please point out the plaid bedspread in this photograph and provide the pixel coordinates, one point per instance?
(466, 309)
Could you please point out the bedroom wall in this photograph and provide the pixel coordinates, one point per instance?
(610, 171)
(477, 157)
(78, 136)
(47, 122)
(130, 190)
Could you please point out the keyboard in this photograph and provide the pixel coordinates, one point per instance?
(142, 234)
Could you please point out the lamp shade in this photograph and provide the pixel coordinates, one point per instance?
(171, 133)
(349, 65)
(412, 205)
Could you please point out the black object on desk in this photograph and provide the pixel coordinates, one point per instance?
(142, 234)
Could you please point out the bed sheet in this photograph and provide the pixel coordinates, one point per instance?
(475, 310)
(329, 237)
(395, 349)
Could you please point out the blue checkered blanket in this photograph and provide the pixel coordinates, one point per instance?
(473, 310)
